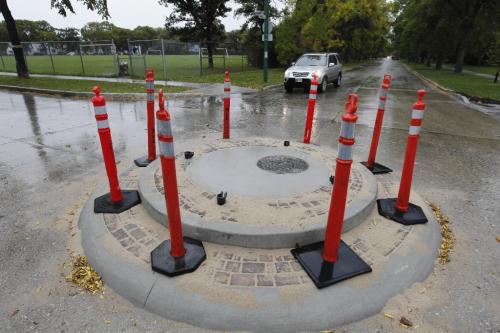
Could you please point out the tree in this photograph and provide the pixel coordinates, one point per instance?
(98, 31)
(471, 14)
(445, 29)
(252, 30)
(200, 19)
(494, 54)
(67, 34)
(21, 67)
(62, 6)
(357, 29)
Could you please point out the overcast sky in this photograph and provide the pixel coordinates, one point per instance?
(124, 13)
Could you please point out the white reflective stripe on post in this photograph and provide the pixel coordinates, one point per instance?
(166, 148)
(102, 123)
(227, 94)
(417, 114)
(164, 128)
(414, 130)
(381, 104)
(227, 85)
(149, 85)
(347, 130)
(100, 110)
(383, 92)
(150, 96)
(312, 96)
(345, 152)
(314, 87)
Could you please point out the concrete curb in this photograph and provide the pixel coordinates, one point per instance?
(462, 97)
(86, 95)
(271, 237)
(311, 309)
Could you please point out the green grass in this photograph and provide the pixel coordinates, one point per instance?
(81, 85)
(178, 67)
(467, 84)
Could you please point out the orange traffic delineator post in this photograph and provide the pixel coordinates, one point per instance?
(117, 200)
(150, 107)
(178, 255)
(374, 167)
(227, 105)
(313, 91)
(332, 260)
(400, 209)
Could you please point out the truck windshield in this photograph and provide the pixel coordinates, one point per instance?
(311, 60)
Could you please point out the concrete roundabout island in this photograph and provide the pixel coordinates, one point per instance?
(278, 197)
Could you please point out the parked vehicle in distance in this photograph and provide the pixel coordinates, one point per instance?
(395, 57)
(326, 66)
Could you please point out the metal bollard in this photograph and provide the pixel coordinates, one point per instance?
(331, 260)
(150, 105)
(227, 104)
(310, 109)
(374, 167)
(400, 209)
(178, 255)
(117, 200)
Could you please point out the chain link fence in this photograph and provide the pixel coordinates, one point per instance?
(169, 59)
(64, 58)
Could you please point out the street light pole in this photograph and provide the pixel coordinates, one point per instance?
(266, 37)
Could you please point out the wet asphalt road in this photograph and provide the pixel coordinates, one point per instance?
(50, 160)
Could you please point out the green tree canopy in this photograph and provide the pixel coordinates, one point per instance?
(357, 29)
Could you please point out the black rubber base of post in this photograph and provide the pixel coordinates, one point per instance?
(377, 168)
(414, 215)
(324, 273)
(143, 161)
(103, 204)
(163, 263)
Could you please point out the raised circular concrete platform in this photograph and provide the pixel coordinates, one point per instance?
(277, 196)
(260, 290)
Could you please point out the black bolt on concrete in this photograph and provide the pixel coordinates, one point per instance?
(143, 161)
(162, 261)
(188, 154)
(103, 204)
(324, 273)
(414, 214)
(286, 143)
(221, 198)
(377, 168)
(332, 179)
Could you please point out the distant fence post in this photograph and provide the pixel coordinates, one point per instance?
(131, 65)
(116, 61)
(1, 58)
(51, 59)
(201, 63)
(163, 59)
(81, 57)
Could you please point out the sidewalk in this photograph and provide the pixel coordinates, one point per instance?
(208, 89)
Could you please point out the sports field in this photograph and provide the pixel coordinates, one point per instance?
(178, 67)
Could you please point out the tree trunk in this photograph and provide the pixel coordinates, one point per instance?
(439, 63)
(210, 50)
(459, 64)
(496, 75)
(22, 68)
